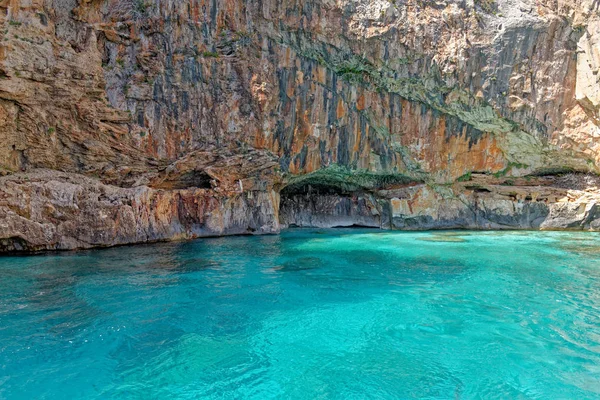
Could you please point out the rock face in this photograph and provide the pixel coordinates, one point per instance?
(52, 210)
(126, 121)
(480, 203)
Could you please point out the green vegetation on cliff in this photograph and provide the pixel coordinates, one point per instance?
(467, 113)
(429, 89)
(347, 180)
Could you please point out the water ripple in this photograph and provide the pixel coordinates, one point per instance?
(344, 314)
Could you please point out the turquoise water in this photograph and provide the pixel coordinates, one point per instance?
(310, 314)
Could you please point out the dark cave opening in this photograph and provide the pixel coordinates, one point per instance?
(191, 179)
(323, 205)
(195, 179)
(312, 189)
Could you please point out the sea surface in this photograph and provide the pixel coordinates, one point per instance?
(309, 314)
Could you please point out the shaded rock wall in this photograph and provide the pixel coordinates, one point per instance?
(480, 203)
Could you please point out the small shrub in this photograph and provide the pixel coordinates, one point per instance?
(465, 178)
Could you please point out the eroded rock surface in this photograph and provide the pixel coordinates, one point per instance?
(52, 210)
(195, 117)
(483, 202)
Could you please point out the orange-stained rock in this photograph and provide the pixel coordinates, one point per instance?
(198, 103)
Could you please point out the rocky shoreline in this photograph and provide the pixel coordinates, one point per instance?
(49, 210)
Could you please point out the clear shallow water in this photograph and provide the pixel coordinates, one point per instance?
(344, 314)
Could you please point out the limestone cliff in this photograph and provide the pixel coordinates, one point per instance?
(127, 121)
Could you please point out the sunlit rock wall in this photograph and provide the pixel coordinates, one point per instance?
(152, 93)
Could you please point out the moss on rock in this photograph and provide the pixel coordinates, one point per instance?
(342, 179)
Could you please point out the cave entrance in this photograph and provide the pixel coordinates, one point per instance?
(313, 189)
(321, 205)
(191, 179)
(195, 179)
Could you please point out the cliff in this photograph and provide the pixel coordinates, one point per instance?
(126, 121)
